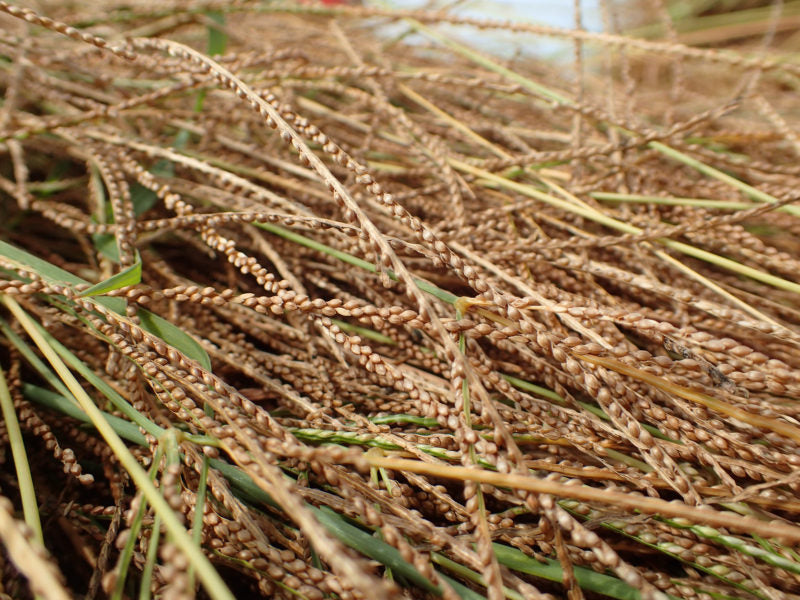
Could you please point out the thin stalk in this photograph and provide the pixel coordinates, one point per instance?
(170, 444)
(452, 121)
(619, 500)
(716, 288)
(672, 201)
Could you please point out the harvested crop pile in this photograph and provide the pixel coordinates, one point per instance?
(297, 305)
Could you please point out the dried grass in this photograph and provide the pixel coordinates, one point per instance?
(391, 319)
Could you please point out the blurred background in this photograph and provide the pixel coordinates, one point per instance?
(556, 13)
(695, 22)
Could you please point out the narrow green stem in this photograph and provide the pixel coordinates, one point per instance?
(533, 388)
(113, 396)
(150, 560)
(136, 525)
(27, 492)
(199, 509)
(705, 169)
(33, 360)
(770, 557)
(286, 234)
(364, 332)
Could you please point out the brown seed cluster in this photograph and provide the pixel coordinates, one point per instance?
(415, 251)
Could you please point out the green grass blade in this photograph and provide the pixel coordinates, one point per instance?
(53, 401)
(372, 547)
(217, 38)
(150, 560)
(550, 570)
(469, 575)
(673, 201)
(199, 508)
(174, 336)
(462, 590)
(136, 525)
(171, 334)
(109, 392)
(30, 507)
(27, 261)
(533, 388)
(33, 359)
(127, 277)
(425, 286)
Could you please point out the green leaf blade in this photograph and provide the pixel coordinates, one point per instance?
(125, 278)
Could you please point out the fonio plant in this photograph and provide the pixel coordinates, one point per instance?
(293, 308)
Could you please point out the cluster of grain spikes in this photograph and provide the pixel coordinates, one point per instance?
(291, 308)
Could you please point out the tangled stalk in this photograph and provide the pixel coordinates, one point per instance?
(293, 308)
